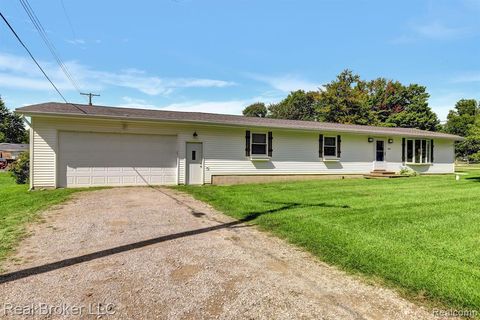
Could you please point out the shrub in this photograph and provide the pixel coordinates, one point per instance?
(405, 171)
(474, 157)
(20, 169)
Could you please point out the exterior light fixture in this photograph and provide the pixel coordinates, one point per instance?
(195, 134)
(370, 139)
(390, 140)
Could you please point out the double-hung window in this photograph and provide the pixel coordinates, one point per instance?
(418, 151)
(330, 147)
(259, 144)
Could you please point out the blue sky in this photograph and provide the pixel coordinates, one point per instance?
(219, 56)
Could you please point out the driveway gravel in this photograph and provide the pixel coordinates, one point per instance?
(154, 253)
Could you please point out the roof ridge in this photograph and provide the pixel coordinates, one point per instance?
(57, 108)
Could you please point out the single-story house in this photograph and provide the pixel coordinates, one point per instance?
(76, 145)
(11, 151)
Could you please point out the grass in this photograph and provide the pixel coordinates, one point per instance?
(420, 235)
(19, 206)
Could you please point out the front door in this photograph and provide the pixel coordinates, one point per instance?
(380, 154)
(194, 163)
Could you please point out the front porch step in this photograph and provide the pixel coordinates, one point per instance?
(382, 171)
(383, 175)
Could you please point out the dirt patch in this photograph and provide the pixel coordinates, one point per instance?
(148, 253)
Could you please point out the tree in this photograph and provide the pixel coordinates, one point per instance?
(12, 129)
(298, 105)
(470, 148)
(386, 98)
(257, 109)
(417, 113)
(345, 100)
(462, 118)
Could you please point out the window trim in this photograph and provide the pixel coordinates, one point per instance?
(257, 155)
(427, 150)
(334, 157)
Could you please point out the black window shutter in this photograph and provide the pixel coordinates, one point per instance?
(403, 149)
(339, 146)
(431, 151)
(320, 146)
(247, 143)
(270, 146)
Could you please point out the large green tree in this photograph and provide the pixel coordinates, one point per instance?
(298, 105)
(12, 129)
(470, 148)
(351, 100)
(417, 113)
(257, 109)
(462, 118)
(345, 100)
(386, 98)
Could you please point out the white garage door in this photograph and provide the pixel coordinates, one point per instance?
(109, 159)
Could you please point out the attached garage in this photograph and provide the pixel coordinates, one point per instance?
(110, 159)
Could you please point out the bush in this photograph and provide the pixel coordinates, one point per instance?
(405, 171)
(20, 169)
(475, 158)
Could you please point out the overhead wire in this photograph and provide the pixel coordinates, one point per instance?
(31, 56)
(43, 34)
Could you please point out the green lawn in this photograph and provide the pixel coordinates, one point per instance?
(420, 235)
(19, 206)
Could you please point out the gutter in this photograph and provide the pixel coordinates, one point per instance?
(177, 121)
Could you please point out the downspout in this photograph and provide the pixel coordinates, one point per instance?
(30, 150)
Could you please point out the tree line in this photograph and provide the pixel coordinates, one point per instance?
(349, 99)
(380, 102)
(12, 129)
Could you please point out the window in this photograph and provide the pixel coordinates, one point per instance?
(330, 146)
(418, 151)
(259, 144)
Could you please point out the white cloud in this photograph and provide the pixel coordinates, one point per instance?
(436, 30)
(286, 83)
(25, 75)
(77, 41)
(226, 107)
(467, 77)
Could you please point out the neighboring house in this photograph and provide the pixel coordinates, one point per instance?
(80, 145)
(11, 151)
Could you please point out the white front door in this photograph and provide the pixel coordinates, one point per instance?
(194, 163)
(380, 153)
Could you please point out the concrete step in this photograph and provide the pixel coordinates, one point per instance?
(382, 172)
(383, 176)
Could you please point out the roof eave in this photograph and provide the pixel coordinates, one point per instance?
(220, 124)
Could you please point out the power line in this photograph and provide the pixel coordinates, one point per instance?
(43, 34)
(31, 56)
(68, 19)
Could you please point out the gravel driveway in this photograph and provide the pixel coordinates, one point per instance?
(145, 253)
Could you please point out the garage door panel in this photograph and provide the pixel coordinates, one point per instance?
(103, 159)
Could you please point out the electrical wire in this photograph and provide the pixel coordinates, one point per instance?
(68, 19)
(31, 56)
(43, 34)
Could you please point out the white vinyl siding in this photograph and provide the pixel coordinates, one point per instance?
(44, 147)
(294, 151)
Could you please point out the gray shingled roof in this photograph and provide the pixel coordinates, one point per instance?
(80, 110)
(13, 147)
